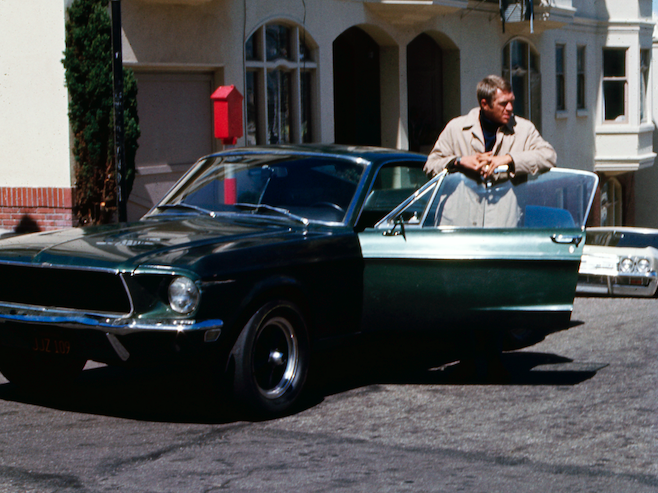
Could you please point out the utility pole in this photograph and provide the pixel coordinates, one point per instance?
(119, 147)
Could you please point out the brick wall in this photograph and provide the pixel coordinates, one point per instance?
(36, 209)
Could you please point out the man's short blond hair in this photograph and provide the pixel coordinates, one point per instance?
(488, 86)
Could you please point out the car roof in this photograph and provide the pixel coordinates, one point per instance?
(369, 153)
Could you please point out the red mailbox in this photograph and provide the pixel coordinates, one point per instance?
(227, 105)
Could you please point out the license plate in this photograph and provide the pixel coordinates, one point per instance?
(51, 345)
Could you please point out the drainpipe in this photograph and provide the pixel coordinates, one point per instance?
(119, 147)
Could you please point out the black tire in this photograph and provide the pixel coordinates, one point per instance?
(271, 360)
(38, 371)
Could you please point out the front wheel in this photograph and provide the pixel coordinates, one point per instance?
(271, 358)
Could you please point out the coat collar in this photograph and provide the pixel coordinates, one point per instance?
(472, 122)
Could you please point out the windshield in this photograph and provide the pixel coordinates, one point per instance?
(621, 239)
(558, 198)
(299, 187)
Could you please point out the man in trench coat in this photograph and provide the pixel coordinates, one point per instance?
(478, 143)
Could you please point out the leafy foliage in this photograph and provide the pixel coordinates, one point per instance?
(88, 64)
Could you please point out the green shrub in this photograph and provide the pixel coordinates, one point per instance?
(88, 64)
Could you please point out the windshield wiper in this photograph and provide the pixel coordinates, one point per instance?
(181, 205)
(279, 210)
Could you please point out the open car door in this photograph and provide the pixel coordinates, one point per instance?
(493, 255)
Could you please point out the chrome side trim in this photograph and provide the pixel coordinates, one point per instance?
(48, 265)
(530, 308)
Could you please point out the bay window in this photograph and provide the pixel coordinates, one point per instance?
(521, 69)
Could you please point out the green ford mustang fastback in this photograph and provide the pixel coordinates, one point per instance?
(258, 257)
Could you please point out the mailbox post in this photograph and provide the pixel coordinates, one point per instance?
(227, 109)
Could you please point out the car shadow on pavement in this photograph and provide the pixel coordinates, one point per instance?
(509, 368)
(166, 394)
(181, 394)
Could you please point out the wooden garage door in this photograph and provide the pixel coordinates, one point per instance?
(175, 117)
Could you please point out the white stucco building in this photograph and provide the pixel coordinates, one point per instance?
(381, 72)
(35, 167)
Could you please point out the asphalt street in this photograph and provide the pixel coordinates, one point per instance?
(577, 412)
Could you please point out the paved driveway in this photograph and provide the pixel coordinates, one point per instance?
(579, 412)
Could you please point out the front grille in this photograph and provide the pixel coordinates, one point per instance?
(591, 279)
(87, 290)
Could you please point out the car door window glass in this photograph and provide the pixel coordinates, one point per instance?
(556, 199)
(393, 184)
(559, 198)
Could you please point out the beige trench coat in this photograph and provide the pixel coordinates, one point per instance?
(519, 138)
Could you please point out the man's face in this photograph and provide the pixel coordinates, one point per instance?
(501, 108)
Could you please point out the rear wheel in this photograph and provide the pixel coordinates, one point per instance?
(271, 358)
(37, 370)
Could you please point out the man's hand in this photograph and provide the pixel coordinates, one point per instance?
(492, 162)
(484, 163)
(473, 162)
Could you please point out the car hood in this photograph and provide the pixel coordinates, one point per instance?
(648, 252)
(164, 241)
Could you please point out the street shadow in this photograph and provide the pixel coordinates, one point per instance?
(182, 394)
(165, 394)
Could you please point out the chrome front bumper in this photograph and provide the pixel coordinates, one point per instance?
(113, 327)
(618, 285)
(106, 323)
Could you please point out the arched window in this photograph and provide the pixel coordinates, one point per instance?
(521, 68)
(279, 78)
(611, 201)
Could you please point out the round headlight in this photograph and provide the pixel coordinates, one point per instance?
(643, 265)
(183, 295)
(626, 265)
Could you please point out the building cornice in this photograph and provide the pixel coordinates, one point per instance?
(412, 12)
(615, 165)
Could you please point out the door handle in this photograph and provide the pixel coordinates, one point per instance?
(567, 239)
